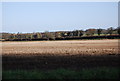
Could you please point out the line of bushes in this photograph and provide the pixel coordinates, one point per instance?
(70, 38)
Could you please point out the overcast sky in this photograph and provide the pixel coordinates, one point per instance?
(58, 16)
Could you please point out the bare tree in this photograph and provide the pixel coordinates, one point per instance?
(99, 31)
(49, 35)
(118, 30)
(110, 30)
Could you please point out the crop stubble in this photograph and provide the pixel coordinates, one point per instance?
(60, 54)
(92, 47)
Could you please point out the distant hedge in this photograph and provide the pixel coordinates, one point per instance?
(70, 38)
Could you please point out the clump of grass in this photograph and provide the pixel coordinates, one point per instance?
(62, 74)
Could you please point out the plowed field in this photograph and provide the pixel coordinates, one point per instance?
(60, 54)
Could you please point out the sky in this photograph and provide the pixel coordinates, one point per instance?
(0, 16)
(57, 16)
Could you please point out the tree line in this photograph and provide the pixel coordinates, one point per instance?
(60, 34)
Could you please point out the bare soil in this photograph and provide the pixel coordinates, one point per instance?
(90, 47)
(73, 54)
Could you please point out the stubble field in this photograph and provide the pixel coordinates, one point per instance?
(47, 55)
(81, 47)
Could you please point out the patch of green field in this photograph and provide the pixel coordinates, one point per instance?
(62, 74)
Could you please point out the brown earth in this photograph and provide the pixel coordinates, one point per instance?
(73, 54)
(91, 47)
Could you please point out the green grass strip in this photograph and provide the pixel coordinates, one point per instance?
(61, 74)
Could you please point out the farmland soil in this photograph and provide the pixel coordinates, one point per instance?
(47, 55)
